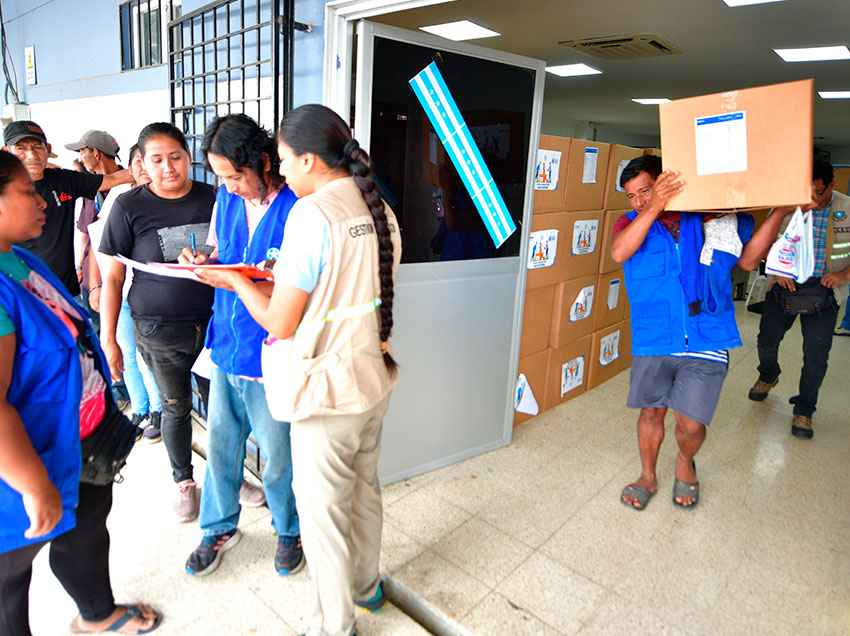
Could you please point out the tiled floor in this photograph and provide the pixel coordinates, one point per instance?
(532, 539)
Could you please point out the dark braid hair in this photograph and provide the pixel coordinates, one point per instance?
(320, 131)
(244, 143)
(10, 168)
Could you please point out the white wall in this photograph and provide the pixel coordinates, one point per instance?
(556, 122)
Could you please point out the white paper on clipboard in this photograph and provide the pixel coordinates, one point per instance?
(156, 268)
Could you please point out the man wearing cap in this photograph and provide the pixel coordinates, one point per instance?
(59, 188)
(98, 150)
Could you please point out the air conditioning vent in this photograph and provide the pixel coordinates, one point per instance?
(623, 47)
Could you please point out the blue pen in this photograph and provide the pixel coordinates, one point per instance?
(194, 244)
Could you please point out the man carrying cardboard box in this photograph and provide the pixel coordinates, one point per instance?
(814, 301)
(678, 271)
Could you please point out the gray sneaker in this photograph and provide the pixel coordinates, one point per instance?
(188, 501)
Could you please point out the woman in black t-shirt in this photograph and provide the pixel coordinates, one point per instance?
(153, 223)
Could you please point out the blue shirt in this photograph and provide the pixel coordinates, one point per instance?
(306, 247)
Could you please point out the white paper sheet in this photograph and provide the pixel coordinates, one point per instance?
(547, 169)
(609, 348)
(591, 163)
(203, 364)
(620, 167)
(542, 249)
(156, 268)
(721, 143)
(524, 401)
(572, 375)
(584, 237)
(613, 294)
(582, 306)
(721, 234)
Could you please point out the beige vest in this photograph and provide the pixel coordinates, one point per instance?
(838, 242)
(333, 363)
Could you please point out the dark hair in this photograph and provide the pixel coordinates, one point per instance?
(161, 129)
(822, 169)
(245, 143)
(649, 164)
(10, 167)
(133, 150)
(320, 131)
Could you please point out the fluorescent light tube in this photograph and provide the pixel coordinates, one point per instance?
(573, 70)
(817, 54)
(651, 101)
(834, 94)
(744, 3)
(459, 31)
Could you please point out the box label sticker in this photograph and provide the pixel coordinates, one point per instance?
(572, 375)
(584, 237)
(583, 305)
(542, 249)
(620, 167)
(591, 163)
(524, 401)
(721, 143)
(613, 294)
(547, 170)
(609, 348)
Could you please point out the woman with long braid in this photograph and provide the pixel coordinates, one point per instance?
(327, 364)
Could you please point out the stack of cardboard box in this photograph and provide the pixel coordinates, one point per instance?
(575, 326)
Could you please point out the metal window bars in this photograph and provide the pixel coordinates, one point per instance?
(229, 56)
(141, 33)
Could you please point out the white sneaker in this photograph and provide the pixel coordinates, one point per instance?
(251, 496)
(187, 505)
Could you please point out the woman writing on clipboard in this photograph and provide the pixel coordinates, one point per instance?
(326, 365)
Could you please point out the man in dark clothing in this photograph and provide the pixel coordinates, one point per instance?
(59, 188)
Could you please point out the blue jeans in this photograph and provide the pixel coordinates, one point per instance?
(845, 324)
(144, 396)
(237, 408)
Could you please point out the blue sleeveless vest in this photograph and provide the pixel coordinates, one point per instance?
(234, 337)
(661, 322)
(46, 389)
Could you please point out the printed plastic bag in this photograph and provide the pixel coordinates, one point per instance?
(792, 255)
(758, 292)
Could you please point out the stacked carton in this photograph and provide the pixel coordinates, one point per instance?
(575, 333)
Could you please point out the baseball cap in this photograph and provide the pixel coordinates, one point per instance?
(18, 130)
(97, 139)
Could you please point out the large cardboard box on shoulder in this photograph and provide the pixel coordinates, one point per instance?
(567, 373)
(587, 170)
(611, 353)
(534, 367)
(562, 246)
(748, 148)
(611, 302)
(537, 320)
(607, 264)
(620, 156)
(572, 317)
(550, 174)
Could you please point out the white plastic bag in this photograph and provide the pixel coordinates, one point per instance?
(792, 255)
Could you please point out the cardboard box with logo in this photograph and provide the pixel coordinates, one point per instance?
(537, 320)
(611, 300)
(572, 317)
(562, 246)
(728, 147)
(534, 367)
(587, 171)
(567, 374)
(550, 174)
(607, 264)
(611, 353)
(620, 156)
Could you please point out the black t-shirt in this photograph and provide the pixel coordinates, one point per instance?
(148, 228)
(55, 246)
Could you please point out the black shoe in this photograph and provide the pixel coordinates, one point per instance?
(289, 557)
(206, 557)
(138, 418)
(152, 433)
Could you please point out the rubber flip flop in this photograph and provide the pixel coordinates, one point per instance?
(641, 494)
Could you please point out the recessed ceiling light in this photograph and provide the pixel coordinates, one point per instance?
(817, 54)
(834, 94)
(650, 101)
(573, 70)
(743, 3)
(458, 31)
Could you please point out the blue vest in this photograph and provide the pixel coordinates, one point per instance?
(234, 337)
(661, 322)
(46, 389)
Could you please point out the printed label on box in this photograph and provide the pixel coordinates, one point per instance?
(584, 237)
(582, 305)
(613, 294)
(609, 348)
(542, 249)
(721, 143)
(620, 167)
(572, 375)
(591, 163)
(547, 170)
(524, 401)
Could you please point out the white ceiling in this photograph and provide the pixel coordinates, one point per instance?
(722, 49)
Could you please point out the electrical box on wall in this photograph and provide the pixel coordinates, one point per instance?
(14, 112)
